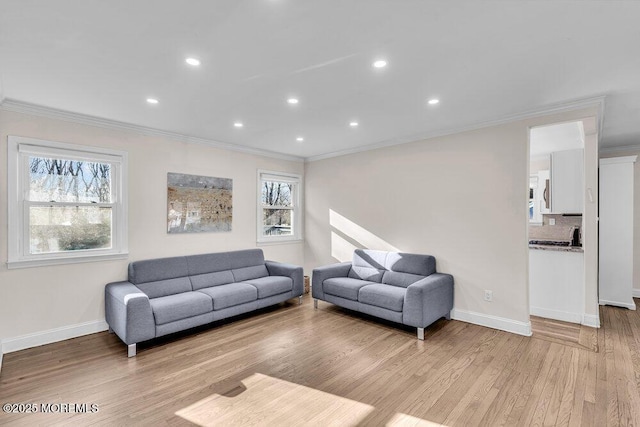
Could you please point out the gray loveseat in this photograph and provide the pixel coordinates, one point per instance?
(167, 295)
(400, 287)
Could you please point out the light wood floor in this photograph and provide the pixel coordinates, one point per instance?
(460, 375)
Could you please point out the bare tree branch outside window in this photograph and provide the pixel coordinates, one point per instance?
(77, 214)
(277, 203)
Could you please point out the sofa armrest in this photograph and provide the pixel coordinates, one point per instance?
(128, 312)
(325, 272)
(427, 300)
(288, 270)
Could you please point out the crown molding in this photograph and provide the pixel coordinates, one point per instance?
(596, 101)
(620, 149)
(16, 106)
(616, 160)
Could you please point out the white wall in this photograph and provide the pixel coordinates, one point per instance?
(462, 198)
(636, 212)
(539, 164)
(36, 300)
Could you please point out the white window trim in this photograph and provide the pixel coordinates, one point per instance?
(17, 256)
(297, 219)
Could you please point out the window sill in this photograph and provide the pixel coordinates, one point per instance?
(43, 262)
(278, 242)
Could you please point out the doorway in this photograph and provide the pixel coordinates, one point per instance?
(562, 219)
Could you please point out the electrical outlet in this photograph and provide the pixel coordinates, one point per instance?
(488, 295)
(552, 221)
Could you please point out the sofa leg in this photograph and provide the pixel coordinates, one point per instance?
(421, 334)
(315, 303)
(300, 300)
(110, 330)
(131, 350)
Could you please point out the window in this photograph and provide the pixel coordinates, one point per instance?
(66, 203)
(279, 208)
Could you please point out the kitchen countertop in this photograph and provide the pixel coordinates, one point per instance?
(577, 249)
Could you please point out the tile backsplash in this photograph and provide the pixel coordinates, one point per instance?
(562, 220)
(559, 231)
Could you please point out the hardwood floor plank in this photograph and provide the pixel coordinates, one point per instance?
(629, 405)
(579, 391)
(538, 401)
(609, 383)
(461, 375)
(532, 367)
(478, 389)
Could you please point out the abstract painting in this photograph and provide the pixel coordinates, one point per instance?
(198, 203)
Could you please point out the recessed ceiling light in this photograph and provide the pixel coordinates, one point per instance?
(433, 101)
(152, 100)
(353, 124)
(192, 61)
(292, 100)
(380, 63)
(238, 124)
(299, 139)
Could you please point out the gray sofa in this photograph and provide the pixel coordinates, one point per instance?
(399, 287)
(167, 295)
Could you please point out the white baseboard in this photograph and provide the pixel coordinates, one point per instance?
(630, 306)
(52, 335)
(495, 322)
(564, 316)
(1, 354)
(592, 320)
(635, 293)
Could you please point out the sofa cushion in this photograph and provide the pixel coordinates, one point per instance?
(366, 273)
(422, 265)
(247, 273)
(180, 306)
(162, 288)
(385, 296)
(368, 265)
(211, 279)
(370, 258)
(208, 263)
(154, 270)
(400, 279)
(246, 258)
(271, 285)
(232, 294)
(344, 287)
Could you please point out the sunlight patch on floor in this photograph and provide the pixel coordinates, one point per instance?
(404, 420)
(263, 400)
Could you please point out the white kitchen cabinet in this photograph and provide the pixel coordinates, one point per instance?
(556, 284)
(616, 232)
(567, 181)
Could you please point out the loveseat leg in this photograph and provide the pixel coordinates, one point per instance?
(111, 330)
(421, 334)
(300, 300)
(131, 350)
(315, 303)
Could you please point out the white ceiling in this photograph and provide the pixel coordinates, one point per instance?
(485, 60)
